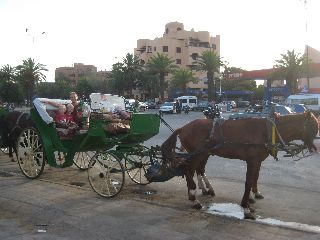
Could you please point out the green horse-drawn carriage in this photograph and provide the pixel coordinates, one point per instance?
(106, 155)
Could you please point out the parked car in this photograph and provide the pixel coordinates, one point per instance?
(130, 104)
(224, 104)
(167, 107)
(201, 106)
(262, 111)
(298, 108)
(142, 106)
(151, 105)
(243, 104)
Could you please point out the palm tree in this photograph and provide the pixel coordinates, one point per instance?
(161, 64)
(8, 88)
(209, 61)
(117, 82)
(149, 83)
(131, 71)
(30, 74)
(7, 74)
(291, 67)
(181, 78)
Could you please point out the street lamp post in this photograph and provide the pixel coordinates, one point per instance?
(307, 46)
(217, 76)
(34, 37)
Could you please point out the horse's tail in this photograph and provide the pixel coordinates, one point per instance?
(168, 147)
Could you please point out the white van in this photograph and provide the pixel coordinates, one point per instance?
(311, 101)
(191, 101)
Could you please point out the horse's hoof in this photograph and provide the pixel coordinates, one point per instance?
(249, 215)
(192, 198)
(252, 210)
(197, 206)
(205, 192)
(211, 192)
(251, 200)
(258, 195)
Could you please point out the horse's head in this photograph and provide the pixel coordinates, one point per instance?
(310, 130)
(170, 167)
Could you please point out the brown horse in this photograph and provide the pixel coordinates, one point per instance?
(245, 139)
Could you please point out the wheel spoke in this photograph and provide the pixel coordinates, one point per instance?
(102, 177)
(30, 153)
(136, 164)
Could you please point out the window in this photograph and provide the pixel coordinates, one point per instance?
(178, 61)
(308, 101)
(194, 56)
(214, 47)
(149, 49)
(165, 49)
(178, 49)
(154, 48)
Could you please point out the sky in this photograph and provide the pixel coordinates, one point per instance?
(253, 33)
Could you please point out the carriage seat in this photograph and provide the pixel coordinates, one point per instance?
(48, 112)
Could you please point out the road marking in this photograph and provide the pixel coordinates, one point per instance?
(236, 211)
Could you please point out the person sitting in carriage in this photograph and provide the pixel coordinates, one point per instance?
(65, 123)
(81, 112)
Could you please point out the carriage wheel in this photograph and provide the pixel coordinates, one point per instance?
(82, 159)
(106, 174)
(30, 153)
(137, 164)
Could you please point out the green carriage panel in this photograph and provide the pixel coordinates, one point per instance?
(143, 126)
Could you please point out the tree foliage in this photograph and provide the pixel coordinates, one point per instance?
(125, 75)
(290, 67)
(161, 65)
(210, 62)
(149, 84)
(181, 78)
(9, 90)
(29, 75)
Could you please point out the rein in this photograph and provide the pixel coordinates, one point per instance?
(166, 124)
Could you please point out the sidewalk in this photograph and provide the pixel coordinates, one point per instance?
(53, 207)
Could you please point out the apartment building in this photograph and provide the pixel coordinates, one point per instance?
(182, 46)
(103, 75)
(76, 72)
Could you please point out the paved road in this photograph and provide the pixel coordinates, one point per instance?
(54, 207)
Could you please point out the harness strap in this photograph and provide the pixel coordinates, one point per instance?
(277, 132)
(17, 126)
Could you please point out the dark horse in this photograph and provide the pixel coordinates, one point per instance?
(11, 126)
(245, 139)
